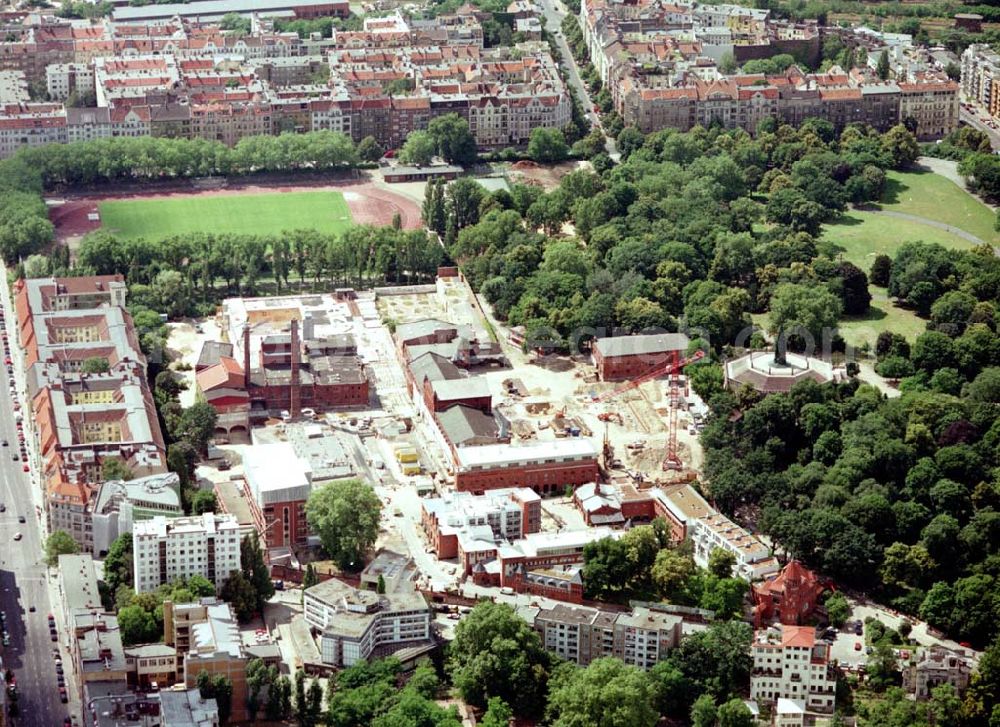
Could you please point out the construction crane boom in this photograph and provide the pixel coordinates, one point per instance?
(667, 369)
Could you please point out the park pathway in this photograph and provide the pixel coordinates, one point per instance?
(957, 231)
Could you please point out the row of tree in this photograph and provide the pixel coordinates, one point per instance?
(128, 159)
(181, 275)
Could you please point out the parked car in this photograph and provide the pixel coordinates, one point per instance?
(857, 646)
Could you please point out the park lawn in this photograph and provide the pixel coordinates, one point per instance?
(863, 235)
(938, 198)
(883, 315)
(257, 214)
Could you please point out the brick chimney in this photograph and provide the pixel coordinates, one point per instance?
(295, 387)
(246, 358)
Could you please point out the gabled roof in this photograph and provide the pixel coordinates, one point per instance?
(227, 374)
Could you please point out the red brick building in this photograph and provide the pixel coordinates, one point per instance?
(442, 385)
(545, 467)
(291, 375)
(278, 485)
(625, 357)
(528, 559)
(617, 504)
(321, 374)
(790, 596)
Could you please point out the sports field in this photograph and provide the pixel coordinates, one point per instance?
(157, 218)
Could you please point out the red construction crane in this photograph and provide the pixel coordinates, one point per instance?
(667, 369)
(671, 461)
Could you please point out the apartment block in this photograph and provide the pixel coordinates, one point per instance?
(165, 549)
(660, 63)
(641, 637)
(65, 79)
(82, 420)
(30, 124)
(95, 642)
(981, 77)
(789, 663)
(356, 625)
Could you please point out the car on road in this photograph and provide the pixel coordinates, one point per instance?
(3, 508)
(26, 468)
(67, 722)
(14, 457)
(17, 536)
(5, 443)
(59, 668)
(857, 646)
(62, 695)
(31, 609)
(20, 518)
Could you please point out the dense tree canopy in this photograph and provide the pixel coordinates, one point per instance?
(497, 654)
(675, 238)
(607, 693)
(345, 516)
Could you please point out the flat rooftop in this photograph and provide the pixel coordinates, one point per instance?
(500, 455)
(275, 473)
(79, 582)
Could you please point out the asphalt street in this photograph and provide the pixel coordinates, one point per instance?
(23, 581)
(554, 12)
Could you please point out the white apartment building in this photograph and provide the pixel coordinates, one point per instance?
(709, 529)
(62, 79)
(165, 549)
(356, 624)
(790, 664)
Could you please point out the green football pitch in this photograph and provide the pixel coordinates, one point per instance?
(259, 214)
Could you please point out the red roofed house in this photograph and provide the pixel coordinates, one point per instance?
(791, 596)
(223, 386)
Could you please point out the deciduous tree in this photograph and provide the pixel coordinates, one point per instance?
(345, 516)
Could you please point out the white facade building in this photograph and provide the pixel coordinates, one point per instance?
(166, 549)
(709, 529)
(790, 664)
(354, 624)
